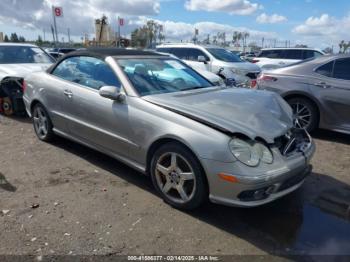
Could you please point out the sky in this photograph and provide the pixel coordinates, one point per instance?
(317, 23)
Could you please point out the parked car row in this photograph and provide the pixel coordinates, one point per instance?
(216, 60)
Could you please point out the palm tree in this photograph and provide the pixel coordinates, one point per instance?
(236, 37)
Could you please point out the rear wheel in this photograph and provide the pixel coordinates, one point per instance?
(7, 106)
(42, 123)
(178, 177)
(305, 113)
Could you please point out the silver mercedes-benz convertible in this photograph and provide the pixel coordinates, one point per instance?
(197, 141)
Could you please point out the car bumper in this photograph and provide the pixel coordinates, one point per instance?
(251, 190)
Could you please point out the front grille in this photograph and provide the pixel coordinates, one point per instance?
(295, 140)
(253, 75)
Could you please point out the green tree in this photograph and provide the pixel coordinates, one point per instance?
(21, 39)
(343, 46)
(147, 35)
(39, 41)
(139, 37)
(14, 38)
(6, 39)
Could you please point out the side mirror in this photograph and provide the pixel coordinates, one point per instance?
(201, 58)
(111, 92)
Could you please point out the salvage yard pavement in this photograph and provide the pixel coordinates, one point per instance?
(65, 199)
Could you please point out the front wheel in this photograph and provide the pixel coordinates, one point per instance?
(178, 177)
(42, 123)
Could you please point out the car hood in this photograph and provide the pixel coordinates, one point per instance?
(243, 66)
(253, 113)
(21, 70)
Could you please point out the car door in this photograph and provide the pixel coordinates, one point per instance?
(192, 59)
(93, 119)
(333, 86)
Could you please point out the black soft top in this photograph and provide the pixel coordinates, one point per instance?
(102, 53)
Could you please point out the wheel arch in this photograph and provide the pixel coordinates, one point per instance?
(33, 104)
(164, 140)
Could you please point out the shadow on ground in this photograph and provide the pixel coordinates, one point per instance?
(19, 118)
(313, 220)
(5, 185)
(332, 136)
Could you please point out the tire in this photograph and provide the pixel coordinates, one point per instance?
(7, 107)
(310, 109)
(169, 180)
(42, 123)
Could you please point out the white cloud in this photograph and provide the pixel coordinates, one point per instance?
(325, 29)
(322, 25)
(176, 31)
(79, 15)
(270, 19)
(234, 7)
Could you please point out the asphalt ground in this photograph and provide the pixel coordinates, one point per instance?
(65, 199)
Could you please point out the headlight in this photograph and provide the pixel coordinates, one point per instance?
(250, 152)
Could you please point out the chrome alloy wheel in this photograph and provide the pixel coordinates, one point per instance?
(302, 115)
(175, 177)
(41, 123)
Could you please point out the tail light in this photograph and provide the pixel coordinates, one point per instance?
(24, 86)
(255, 61)
(253, 84)
(264, 77)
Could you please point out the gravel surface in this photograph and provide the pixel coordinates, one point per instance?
(63, 198)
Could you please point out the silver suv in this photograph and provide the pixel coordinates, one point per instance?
(272, 58)
(215, 59)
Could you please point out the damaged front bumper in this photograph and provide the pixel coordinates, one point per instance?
(265, 183)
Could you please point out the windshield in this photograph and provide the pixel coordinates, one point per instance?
(157, 75)
(224, 55)
(23, 55)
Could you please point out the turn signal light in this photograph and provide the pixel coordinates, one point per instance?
(264, 77)
(24, 86)
(227, 177)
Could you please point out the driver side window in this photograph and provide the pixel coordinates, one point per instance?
(87, 71)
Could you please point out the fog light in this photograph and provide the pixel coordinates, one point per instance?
(259, 194)
(270, 189)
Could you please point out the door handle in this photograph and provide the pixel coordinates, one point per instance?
(68, 93)
(322, 84)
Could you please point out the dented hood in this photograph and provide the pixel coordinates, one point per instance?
(250, 112)
(21, 70)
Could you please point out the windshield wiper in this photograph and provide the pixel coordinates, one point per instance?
(192, 88)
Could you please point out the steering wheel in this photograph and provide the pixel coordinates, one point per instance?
(178, 82)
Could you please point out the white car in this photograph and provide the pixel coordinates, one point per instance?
(216, 60)
(16, 62)
(215, 79)
(272, 58)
